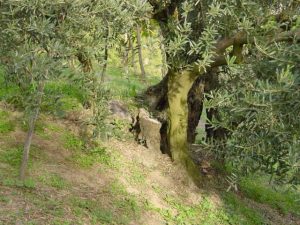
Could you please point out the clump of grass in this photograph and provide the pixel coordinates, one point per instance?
(285, 201)
(88, 158)
(118, 209)
(12, 156)
(8, 91)
(6, 125)
(72, 142)
(54, 127)
(137, 175)
(53, 180)
(14, 182)
(39, 128)
(95, 211)
(240, 212)
(115, 188)
(206, 213)
(62, 96)
(126, 204)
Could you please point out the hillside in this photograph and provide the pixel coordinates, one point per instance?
(118, 182)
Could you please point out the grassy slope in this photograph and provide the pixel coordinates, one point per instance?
(117, 182)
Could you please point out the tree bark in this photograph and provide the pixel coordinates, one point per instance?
(195, 107)
(85, 61)
(179, 86)
(164, 67)
(131, 44)
(32, 121)
(105, 55)
(139, 43)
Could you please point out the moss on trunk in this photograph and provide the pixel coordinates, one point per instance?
(179, 86)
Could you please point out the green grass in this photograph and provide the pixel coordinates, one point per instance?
(137, 176)
(88, 158)
(119, 208)
(53, 180)
(15, 182)
(72, 142)
(62, 96)
(127, 87)
(8, 91)
(286, 201)
(116, 188)
(11, 156)
(97, 213)
(233, 211)
(54, 128)
(6, 125)
(240, 212)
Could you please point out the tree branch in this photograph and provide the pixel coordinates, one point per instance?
(241, 38)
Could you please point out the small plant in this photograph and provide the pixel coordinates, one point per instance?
(6, 125)
(53, 180)
(12, 182)
(283, 200)
(94, 209)
(240, 212)
(71, 142)
(137, 175)
(88, 158)
(11, 156)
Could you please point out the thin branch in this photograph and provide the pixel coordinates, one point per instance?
(241, 38)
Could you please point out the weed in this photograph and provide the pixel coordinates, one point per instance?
(54, 127)
(94, 209)
(62, 96)
(137, 175)
(71, 142)
(258, 190)
(53, 180)
(6, 125)
(87, 159)
(39, 128)
(61, 222)
(115, 188)
(205, 213)
(4, 199)
(128, 208)
(13, 182)
(12, 156)
(240, 212)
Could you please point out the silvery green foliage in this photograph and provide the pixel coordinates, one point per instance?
(258, 101)
(39, 37)
(259, 106)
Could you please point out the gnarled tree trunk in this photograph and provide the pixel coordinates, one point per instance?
(179, 86)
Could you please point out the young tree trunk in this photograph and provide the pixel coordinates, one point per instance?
(164, 67)
(133, 52)
(105, 55)
(139, 43)
(32, 121)
(125, 60)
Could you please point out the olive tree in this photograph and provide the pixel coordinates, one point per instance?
(39, 37)
(203, 37)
